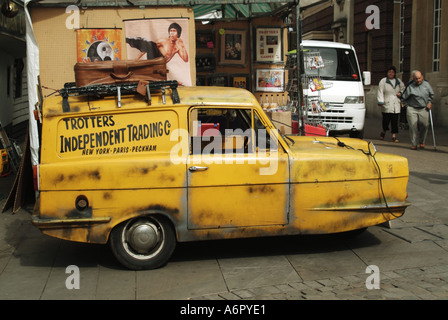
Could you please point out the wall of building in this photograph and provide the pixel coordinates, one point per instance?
(421, 54)
(58, 44)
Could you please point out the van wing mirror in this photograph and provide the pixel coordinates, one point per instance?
(366, 76)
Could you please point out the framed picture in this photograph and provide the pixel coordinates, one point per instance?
(205, 39)
(239, 80)
(98, 44)
(269, 45)
(233, 46)
(201, 80)
(218, 79)
(270, 80)
(205, 62)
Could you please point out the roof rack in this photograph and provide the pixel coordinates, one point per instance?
(117, 89)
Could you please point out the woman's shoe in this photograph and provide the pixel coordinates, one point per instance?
(394, 139)
(414, 148)
(382, 134)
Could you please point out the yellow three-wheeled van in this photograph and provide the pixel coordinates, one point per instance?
(198, 163)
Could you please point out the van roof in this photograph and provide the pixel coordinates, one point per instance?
(189, 96)
(327, 44)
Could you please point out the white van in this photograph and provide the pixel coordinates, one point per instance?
(342, 95)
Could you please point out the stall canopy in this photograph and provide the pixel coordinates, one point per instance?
(224, 9)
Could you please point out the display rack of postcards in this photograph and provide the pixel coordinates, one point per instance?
(292, 86)
(314, 104)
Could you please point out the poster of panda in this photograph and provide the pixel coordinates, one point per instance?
(163, 37)
(96, 45)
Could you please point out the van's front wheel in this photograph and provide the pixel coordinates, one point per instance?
(143, 243)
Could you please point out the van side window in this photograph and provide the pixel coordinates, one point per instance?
(220, 130)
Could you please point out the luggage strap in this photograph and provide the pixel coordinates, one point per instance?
(117, 89)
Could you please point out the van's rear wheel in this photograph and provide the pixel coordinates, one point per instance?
(143, 243)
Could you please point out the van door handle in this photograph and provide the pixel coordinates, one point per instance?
(195, 168)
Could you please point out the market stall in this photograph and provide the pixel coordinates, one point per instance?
(244, 44)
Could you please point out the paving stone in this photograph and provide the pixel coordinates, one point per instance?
(299, 285)
(243, 293)
(439, 230)
(229, 296)
(413, 235)
(209, 297)
(313, 284)
(285, 288)
(327, 282)
(265, 290)
(390, 275)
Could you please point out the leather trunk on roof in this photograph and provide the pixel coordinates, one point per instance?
(109, 72)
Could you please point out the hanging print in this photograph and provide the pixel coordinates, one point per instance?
(164, 37)
(98, 45)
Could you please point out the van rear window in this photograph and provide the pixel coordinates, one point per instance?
(339, 64)
(116, 134)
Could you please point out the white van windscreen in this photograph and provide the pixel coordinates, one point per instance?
(335, 64)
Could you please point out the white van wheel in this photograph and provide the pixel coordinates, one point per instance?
(143, 243)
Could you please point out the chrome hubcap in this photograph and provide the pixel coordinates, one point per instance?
(143, 236)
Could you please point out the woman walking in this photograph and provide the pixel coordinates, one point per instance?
(388, 100)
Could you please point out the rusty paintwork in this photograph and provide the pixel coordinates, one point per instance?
(118, 161)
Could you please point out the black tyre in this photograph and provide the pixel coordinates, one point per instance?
(143, 243)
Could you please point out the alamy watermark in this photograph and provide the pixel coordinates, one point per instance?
(72, 21)
(220, 149)
(373, 280)
(73, 280)
(373, 20)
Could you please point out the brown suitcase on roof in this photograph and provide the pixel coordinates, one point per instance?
(109, 72)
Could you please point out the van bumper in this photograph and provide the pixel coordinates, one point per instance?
(90, 230)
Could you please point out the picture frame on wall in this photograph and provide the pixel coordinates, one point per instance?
(205, 39)
(205, 62)
(239, 80)
(233, 47)
(269, 45)
(201, 80)
(217, 79)
(270, 80)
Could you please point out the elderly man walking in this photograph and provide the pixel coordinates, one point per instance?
(418, 97)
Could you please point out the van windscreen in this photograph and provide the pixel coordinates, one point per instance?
(335, 64)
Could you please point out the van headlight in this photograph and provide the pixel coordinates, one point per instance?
(354, 100)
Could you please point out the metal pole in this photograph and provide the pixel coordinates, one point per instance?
(299, 70)
(251, 37)
(432, 129)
